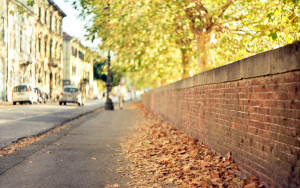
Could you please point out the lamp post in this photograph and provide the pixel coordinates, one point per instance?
(108, 104)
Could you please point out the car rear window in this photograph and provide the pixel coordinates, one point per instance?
(71, 90)
(20, 88)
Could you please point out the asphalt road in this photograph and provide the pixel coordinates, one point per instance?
(86, 154)
(21, 121)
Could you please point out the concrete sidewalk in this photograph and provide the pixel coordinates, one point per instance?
(87, 154)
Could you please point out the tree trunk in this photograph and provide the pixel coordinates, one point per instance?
(185, 63)
(203, 42)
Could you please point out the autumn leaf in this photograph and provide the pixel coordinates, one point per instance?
(174, 158)
(28, 141)
(120, 170)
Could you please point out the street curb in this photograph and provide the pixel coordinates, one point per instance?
(9, 161)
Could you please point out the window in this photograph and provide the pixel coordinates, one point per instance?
(50, 22)
(45, 47)
(20, 88)
(74, 52)
(2, 29)
(21, 40)
(51, 45)
(40, 45)
(71, 90)
(81, 55)
(30, 45)
(74, 70)
(55, 25)
(40, 13)
(46, 17)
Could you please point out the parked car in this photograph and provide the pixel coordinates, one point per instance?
(24, 93)
(71, 94)
(40, 94)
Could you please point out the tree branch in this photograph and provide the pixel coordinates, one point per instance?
(225, 7)
(200, 6)
(232, 20)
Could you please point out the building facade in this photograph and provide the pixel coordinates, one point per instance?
(49, 42)
(77, 69)
(3, 51)
(31, 46)
(19, 43)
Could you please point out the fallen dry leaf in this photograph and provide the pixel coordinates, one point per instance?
(112, 186)
(162, 156)
(120, 170)
(251, 185)
(28, 141)
(93, 158)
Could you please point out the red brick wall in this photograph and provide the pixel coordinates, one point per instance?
(256, 118)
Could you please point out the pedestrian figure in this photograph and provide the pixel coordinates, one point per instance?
(121, 93)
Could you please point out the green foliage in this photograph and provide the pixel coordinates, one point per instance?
(30, 2)
(100, 71)
(163, 40)
(101, 85)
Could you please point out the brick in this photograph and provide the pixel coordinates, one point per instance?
(259, 88)
(266, 134)
(287, 87)
(254, 102)
(280, 96)
(225, 117)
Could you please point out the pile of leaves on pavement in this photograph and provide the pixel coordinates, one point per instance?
(162, 156)
(27, 141)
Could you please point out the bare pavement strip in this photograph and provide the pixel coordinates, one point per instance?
(84, 154)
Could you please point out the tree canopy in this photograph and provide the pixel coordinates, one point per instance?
(169, 39)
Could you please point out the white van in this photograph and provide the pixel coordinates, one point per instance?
(24, 93)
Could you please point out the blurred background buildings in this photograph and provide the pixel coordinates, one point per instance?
(34, 49)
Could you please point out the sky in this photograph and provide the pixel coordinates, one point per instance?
(72, 24)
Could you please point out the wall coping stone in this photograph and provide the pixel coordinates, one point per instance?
(284, 59)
